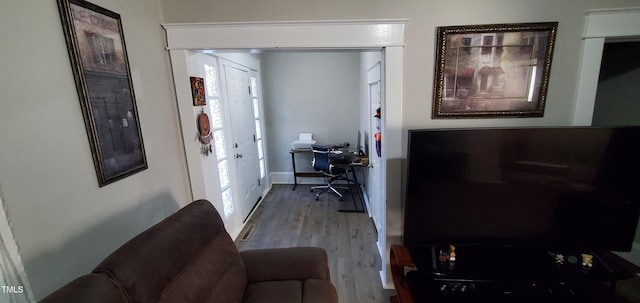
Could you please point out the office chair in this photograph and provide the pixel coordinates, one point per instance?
(321, 163)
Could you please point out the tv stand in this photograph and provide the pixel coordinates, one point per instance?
(502, 274)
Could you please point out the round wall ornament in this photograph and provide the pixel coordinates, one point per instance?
(204, 133)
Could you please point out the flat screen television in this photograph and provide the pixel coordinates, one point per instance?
(548, 188)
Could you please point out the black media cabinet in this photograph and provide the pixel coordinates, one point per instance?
(506, 274)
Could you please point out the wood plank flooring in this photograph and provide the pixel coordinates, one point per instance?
(289, 218)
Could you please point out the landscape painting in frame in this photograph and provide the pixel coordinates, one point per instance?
(492, 71)
(100, 66)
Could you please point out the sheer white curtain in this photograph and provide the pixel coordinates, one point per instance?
(14, 286)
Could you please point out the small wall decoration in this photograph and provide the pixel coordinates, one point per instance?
(490, 71)
(378, 135)
(204, 133)
(100, 66)
(197, 91)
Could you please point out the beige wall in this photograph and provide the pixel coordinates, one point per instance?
(319, 87)
(63, 222)
(424, 17)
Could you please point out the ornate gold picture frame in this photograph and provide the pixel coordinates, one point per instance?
(493, 71)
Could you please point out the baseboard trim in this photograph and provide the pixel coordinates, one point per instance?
(287, 178)
(367, 203)
(236, 233)
(383, 279)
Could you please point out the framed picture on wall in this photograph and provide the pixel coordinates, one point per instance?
(96, 46)
(197, 91)
(492, 71)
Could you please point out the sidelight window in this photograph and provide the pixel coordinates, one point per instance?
(258, 123)
(217, 128)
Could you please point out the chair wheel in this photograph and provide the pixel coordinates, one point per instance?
(317, 198)
(341, 198)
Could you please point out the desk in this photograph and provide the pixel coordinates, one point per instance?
(296, 173)
(357, 207)
(351, 166)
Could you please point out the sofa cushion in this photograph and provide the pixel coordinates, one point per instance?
(286, 291)
(291, 291)
(291, 263)
(185, 254)
(212, 277)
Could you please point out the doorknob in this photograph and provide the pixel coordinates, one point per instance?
(238, 156)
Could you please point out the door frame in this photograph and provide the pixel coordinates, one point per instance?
(374, 190)
(600, 25)
(368, 34)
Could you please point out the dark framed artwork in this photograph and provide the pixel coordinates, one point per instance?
(197, 91)
(98, 55)
(492, 71)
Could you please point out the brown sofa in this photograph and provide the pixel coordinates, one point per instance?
(190, 257)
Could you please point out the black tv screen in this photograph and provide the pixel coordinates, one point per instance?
(550, 188)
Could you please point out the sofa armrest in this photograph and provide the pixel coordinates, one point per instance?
(293, 263)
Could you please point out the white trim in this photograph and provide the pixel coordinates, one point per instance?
(588, 81)
(392, 156)
(612, 23)
(245, 60)
(287, 178)
(293, 34)
(367, 203)
(13, 273)
(599, 26)
(291, 23)
(179, 66)
(236, 232)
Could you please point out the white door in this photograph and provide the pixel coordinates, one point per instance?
(245, 152)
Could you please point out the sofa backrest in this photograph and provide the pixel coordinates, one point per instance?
(94, 288)
(187, 257)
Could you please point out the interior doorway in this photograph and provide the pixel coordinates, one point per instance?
(618, 91)
(385, 34)
(601, 26)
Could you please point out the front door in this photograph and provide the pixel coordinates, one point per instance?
(245, 152)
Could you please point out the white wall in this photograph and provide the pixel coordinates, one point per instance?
(315, 92)
(63, 222)
(368, 60)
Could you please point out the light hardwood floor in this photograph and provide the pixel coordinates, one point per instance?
(288, 218)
